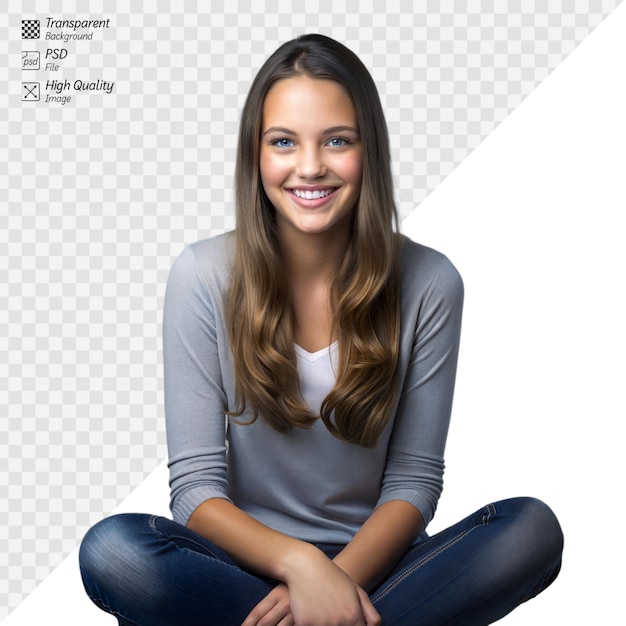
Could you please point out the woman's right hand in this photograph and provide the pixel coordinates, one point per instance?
(321, 594)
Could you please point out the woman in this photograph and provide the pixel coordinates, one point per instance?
(310, 359)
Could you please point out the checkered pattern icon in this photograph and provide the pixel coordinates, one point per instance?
(30, 29)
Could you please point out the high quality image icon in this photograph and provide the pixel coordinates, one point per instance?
(30, 92)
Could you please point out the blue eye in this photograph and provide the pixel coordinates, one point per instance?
(283, 143)
(338, 142)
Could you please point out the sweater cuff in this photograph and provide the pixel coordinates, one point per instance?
(422, 503)
(186, 503)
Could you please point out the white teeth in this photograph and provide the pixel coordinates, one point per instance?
(312, 195)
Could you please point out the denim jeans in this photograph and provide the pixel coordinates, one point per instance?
(150, 571)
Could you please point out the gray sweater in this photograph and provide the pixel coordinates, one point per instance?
(306, 483)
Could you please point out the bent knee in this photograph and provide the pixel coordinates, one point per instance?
(543, 523)
(537, 532)
(110, 544)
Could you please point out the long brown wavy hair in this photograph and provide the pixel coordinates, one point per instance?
(364, 296)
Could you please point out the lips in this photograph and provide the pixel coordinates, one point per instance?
(312, 194)
(312, 198)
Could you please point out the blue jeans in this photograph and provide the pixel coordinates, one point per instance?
(150, 571)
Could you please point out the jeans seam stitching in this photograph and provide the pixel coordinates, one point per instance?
(400, 578)
(169, 539)
(109, 609)
(486, 517)
(172, 536)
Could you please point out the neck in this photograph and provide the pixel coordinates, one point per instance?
(313, 257)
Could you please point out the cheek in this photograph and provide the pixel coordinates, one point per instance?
(271, 169)
(352, 169)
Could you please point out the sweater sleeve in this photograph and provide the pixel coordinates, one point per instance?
(195, 402)
(415, 462)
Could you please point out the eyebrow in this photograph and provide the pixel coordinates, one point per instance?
(328, 131)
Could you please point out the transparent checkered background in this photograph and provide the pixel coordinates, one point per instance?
(99, 195)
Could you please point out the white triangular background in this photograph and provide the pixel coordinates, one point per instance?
(532, 218)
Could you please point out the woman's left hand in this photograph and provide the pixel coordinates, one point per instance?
(273, 610)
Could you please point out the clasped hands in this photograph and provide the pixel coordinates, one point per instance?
(316, 592)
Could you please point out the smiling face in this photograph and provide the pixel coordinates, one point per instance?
(311, 156)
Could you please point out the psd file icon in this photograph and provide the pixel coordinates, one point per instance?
(30, 92)
(31, 60)
(30, 29)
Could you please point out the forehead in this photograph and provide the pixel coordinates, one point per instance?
(304, 101)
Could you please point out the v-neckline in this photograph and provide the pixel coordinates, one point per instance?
(315, 356)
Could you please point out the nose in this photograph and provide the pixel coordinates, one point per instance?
(310, 163)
